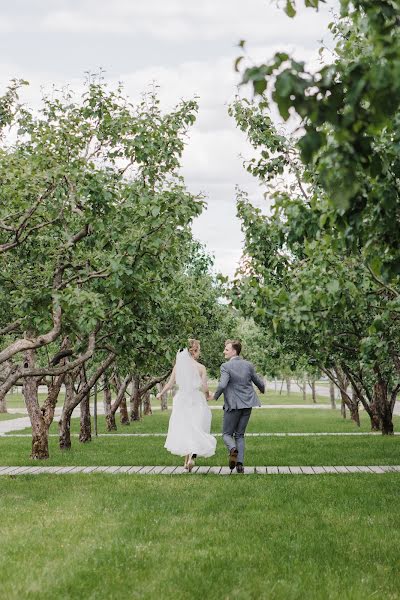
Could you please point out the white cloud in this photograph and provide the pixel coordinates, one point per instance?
(178, 21)
(209, 29)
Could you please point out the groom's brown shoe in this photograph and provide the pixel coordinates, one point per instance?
(239, 468)
(233, 454)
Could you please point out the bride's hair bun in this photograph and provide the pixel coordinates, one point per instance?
(193, 345)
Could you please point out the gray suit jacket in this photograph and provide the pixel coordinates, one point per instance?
(236, 383)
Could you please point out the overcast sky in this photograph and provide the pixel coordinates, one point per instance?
(188, 48)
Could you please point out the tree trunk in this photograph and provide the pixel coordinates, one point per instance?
(288, 384)
(374, 417)
(3, 403)
(10, 378)
(64, 425)
(313, 391)
(164, 397)
(110, 422)
(123, 411)
(304, 389)
(135, 399)
(147, 404)
(107, 399)
(350, 401)
(343, 409)
(332, 394)
(383, 406)
(72, 400)
(40, 434)
(85, 423)
(354, 414)
(121, 390)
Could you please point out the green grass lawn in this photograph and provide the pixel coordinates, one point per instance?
(207, 537)
(262, 420)
(7, 416)
(16, 399)
(115, 450)
(325, 450)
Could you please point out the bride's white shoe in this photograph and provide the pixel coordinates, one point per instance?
(189, 463)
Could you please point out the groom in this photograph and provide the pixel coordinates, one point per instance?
(236, 383)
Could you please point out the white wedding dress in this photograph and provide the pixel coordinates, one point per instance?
(190, 421)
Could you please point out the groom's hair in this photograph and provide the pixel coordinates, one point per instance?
(236, 345)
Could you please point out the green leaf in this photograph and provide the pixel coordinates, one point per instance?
(237, 63)
(290, 9)
(259, 86)
(333, 286)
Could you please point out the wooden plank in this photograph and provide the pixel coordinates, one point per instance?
(134, 469)
(353, 469)
(307, 471)
(23, 469)
(214, 470)
(4, 469)
(261, 470)
(157, 470)
(20, 470)
(375, 469)
(226, 471)
(319, 470)
(146, 470)
(340, 469)
(330, 469)
(364, 469)
(272, 470)
(283, 470)
(180, 471)
(249, 470)
(15, 470)
(203, 470)
(168, 470)
(10, 471)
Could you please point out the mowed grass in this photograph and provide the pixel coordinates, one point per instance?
(262, 420)
(131, 450)
(16, 399)
(7, 416)
(194, 537)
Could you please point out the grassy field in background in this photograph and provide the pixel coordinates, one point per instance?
(16, 399)
(289, 451)
(325, 450)
(99, 537)
(7, 416)
(262, 420)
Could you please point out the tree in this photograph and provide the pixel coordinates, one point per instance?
(299, 280)
(95, 182)
(349, 112)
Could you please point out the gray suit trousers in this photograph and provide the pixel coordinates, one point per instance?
(234, 427)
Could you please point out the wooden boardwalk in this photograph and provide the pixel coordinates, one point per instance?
(173, 470)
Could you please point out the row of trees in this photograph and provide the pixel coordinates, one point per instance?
(320, 272)
(100, 278)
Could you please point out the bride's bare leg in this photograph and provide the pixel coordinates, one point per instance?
(190, 462)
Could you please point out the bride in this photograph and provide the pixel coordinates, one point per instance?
(190, 421)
